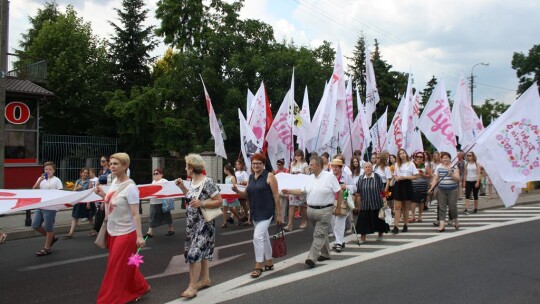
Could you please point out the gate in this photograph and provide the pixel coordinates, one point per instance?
(71, 153)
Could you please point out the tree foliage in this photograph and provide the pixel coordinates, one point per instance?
(77, 70)
(131, 45)
(527, 68)
(490, 110)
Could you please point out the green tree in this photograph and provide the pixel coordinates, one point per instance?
(357, 68)
(131, 46)
(49, 13)
(527, 68)
(490, 110)
(77, 72)
(390, 84)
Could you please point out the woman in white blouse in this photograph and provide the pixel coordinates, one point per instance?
(122, 283)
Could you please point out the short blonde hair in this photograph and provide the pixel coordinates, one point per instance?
(196, 162)
(122, 157)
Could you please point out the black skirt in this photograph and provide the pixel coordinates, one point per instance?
(158, 217)
(80, 211)
(368, 222)
(403, 190)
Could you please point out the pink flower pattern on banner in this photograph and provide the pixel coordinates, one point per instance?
(520, 139)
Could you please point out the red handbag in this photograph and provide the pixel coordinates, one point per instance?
(279, 247)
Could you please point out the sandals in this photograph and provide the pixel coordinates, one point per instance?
(268, 267)
(224, 225)
(189, 293)
(169, 233)
(67, 237)
(303, 226)
(202, 285)
(256, 273)
(92, 233)
(288, 229)
(3, 238)
(43, 252)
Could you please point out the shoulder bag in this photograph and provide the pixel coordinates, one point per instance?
(209, 214)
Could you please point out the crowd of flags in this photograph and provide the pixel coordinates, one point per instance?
(334, 128)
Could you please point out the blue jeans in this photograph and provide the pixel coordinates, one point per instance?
(41, 216)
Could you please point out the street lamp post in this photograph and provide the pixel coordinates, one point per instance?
(472, 79)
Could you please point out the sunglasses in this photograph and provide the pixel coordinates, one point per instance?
(157, 173)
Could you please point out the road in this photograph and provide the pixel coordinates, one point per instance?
(493, 258)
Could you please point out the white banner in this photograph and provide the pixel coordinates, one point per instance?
(249, 144)
(372, 95)
(466, 123)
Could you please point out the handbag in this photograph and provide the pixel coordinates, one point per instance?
(343, 210)
(209, 214)
(279, 247)
(381, 213)
(101, 239)
(167, 205)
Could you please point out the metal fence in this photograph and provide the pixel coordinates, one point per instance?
(71, 153)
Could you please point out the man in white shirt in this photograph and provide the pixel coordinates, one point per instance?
(320, 188)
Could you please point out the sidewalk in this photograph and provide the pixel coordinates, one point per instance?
(13, 224)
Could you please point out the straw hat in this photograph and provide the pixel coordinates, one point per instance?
(336, 162)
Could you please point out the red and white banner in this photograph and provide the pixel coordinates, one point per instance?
(249, 144)
(436, 121)
(219, 146)
(360, 137)
(19, 200)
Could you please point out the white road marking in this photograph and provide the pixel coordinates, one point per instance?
(64, 262)
(241, 286)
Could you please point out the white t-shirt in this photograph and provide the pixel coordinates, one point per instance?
(384, 174)
(407, 169)
(241, 176)
(472, 172)
(157, 201)
(348, 180)
(320, 189)
(120, 220)
(49, 184)
(299, 168)
(347, 170)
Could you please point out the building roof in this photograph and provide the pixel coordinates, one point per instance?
(23, 86)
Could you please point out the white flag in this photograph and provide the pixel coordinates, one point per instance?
(514, 140)
(337, 88)
(280, 135)
(359, 137)
(395, 136)
(302, 123)
(372, 95)
(436, 121)
(379, 132)
(249, 144)
(414, 137)
(344, 116)
(256, 117)
(249, 98)
(466, 122)
(219, 146)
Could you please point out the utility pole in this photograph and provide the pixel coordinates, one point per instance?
(472, 80)
(4, 30)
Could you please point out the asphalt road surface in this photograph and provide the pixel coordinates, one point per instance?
(493, 258)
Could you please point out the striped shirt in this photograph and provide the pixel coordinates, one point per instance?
(446, 182)
(369, 189)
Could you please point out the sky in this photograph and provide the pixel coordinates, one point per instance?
(428, 37)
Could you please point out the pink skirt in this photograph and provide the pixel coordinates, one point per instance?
(122, 283)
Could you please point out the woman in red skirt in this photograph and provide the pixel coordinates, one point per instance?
(122, 283)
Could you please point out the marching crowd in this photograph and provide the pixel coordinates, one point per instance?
(335, 199)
